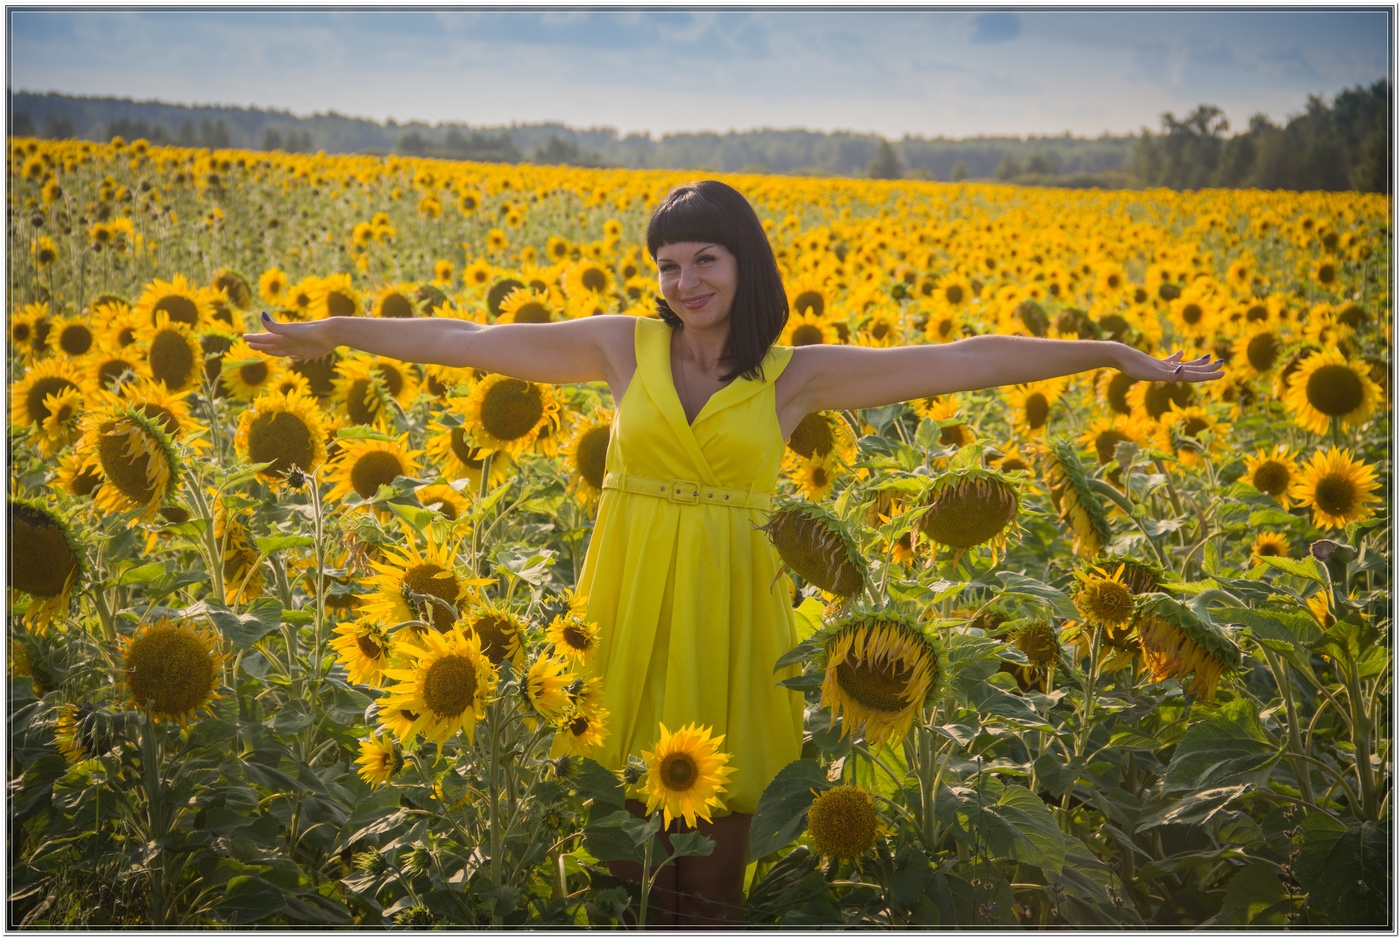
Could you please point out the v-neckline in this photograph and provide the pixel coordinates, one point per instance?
(671, 380)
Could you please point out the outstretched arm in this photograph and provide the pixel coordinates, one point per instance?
(835, 377)
(593, 349)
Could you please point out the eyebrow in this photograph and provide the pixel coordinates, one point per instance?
(700, 250)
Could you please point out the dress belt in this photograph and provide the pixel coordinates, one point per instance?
(685, 492)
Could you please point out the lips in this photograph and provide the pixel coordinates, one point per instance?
(697, 302)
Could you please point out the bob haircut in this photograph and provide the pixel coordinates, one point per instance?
(716, 213)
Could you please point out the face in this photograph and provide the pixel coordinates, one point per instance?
(698, 281)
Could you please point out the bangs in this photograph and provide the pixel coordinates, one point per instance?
(688, 216)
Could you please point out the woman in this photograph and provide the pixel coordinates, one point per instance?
(677, 575)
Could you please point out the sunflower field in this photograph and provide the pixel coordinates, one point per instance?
(297, 642)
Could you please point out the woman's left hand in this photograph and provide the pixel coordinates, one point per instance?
(1145, 367)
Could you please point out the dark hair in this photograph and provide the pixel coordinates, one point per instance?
(716, 213)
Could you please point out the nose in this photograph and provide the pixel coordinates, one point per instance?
(688, 277)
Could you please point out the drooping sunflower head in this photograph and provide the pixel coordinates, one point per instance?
(842, 822)
(363, 647)
(1075, 500)
(1325, 387)
(817, 546)
(287, 431)
(686, 773)
(1176, 643)
(446, 681)
(171, 669)
(1337, 486)
(137, 461)
(970, 506)
(880, 671)
(1103, 599)
(501, 632)
(508, 414)
(46, 560)
(1040, 643)
(380, 759)
(1139, 576)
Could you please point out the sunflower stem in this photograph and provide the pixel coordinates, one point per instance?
(213, 557)
(493, 795)
(646, 883)
(1295, 736)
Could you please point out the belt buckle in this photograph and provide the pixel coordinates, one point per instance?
(684, 492)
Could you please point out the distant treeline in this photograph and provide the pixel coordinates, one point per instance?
(1338, 147)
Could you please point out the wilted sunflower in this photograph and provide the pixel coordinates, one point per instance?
(1040, 644)
(178, 299)
(586, 454)
(173, 353)
(817, 546)
(362, 466)
(686, 774)
(447, 681)
(171, 669)
(32, 399)
(547, 688)
(419, 585)
(1268, 544)
(379, 760)
(969, 506)
(1326, 387)
(842, 822)
(363, 647)
(46, 561)
(508, 414)
(880, 672)
(1175, 643)
(1103, 599)
(1272, 472)
(1075, 500)
(822, 435)
(1338, 487)
(135, 456)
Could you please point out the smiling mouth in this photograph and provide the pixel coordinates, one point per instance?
(695, 302)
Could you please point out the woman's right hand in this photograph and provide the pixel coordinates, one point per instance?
(292, 339)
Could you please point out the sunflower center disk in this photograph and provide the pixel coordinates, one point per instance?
(1335, 390)
(43, 561)
(511, 409)
(1262, 351)
(878, 687)
(170, 670)
(1271, 478)
(179, 309)
(283, 440)
(45, 387)
(498, 637)
(468, 454)
(806, 335)
(577, 638)
(593, 454)
(1335, 494)
(969, 513)
(449, 686)
(370, 648)
(372, 470)
(171, 360)
(126, 472)
(678, 771)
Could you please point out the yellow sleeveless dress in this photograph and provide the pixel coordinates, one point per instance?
(682, 583)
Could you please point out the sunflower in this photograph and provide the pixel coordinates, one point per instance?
(245, 373)
(523, 305)
(1105, 433)
(953, 291)
(943, 324)
(78, 474)
(454, 450)
(842, 822)
(686, 774)
(46, 561)
(547, 688)
(173, 353)
(823, 435)
(68, 734)
(508, 414)
(500, 630)
(379, 760)
(1103, 599)
(395, 302)
(586, 454)
(967, 507)
(1039, 642)
(1272, 472)
(1338, 487)
(301, 299)
(335, 296)
(366, 389)
(1259, 349)
(572, 636)
(1195, 313)
(1175, 643)
(814, 478)
(1030, 404)
(446, 500)
(180, 301)
(234, 286)
(423, 586)
(362, 466)
(817, 546)
(28, 329)
(584, 730)
(1077, 504)
(880, 672)
(72, 337)
(808, 328)
(32, 397)
(1268, 544)
(953, 430)
(273, 287)
(1183, 430)
(287, 431)
(584, 277)
(1153, 399)
(242, 569)
(1326, 387)
(447, 681)
(135, 457)
(171, 669)
(363, 647)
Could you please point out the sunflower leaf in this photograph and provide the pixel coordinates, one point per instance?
(782, 808)
(1307, 569)
(1027, 586)
(691, 844)
(1226, 748)
(270, 545)
(1017, 825)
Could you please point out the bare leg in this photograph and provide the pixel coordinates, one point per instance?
(661, 903)
(712, 887)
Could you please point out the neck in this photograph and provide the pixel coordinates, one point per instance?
(703, 350)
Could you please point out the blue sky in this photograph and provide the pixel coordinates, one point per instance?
(927, 72)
